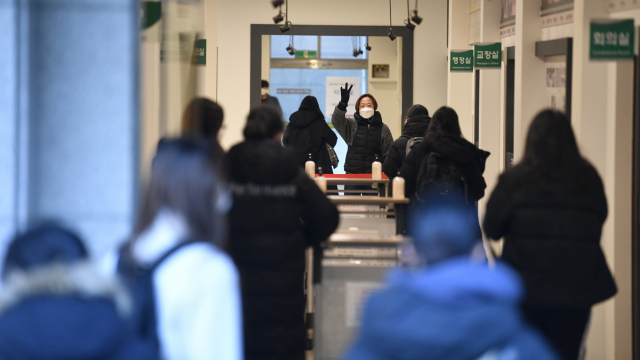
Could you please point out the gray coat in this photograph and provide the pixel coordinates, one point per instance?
(347, 127)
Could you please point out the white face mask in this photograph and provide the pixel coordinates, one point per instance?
(264, 91)
(366, 113)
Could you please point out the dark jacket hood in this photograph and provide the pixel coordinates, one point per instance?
(376, 119)
(63, 313)
(304, 118)
(416, 126)
(459, 150)
(261, 161)
(429, 313)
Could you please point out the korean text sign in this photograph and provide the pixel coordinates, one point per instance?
(487, 55)
(611, 39)
(461, 60)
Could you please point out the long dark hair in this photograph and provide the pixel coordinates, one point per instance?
(263, 122)
(311, 103)
(185, 180)
(202, 117)
(444, 121)
(415, 110)
(551, 152)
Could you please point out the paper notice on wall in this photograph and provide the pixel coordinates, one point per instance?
(334, 83)
(356, 294)
(556, 85)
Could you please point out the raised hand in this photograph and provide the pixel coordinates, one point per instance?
(344, 93)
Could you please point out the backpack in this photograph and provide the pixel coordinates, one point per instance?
(441, 179)
(411, 143)
(301, 142)
(139, 282)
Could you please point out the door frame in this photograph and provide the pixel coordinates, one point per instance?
(257, 30)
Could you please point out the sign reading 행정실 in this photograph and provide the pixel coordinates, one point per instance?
(487, 55)
(611, 39)
(461, 60)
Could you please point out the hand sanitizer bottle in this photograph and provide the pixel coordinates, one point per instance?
(376, 169)
(321, 181)
(398, 187)
(310, 167)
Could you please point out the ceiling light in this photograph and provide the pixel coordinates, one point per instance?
(366, 46)
(409, 25)
(415, 18)
(278, 18)
(277, 3)
(286, 27)
(391, 35)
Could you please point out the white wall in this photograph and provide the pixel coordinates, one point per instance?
(236, 16)
(386, 91)
(602, 118)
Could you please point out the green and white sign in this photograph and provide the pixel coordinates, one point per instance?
(304, 54)
(200, 52)
(487, 55)
(461, 60)
(611, 40)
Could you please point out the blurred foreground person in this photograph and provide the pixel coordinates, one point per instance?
(203, 117)
(175, 255)
(452, 308)
(550, 209)
(54, 304)
(277, 212)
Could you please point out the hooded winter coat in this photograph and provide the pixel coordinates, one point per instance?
(366, 138)
(552, 236)
(277, 212)
(415, 127)
(452, 310)
(67, 312)
(470, 159)
(321, 133)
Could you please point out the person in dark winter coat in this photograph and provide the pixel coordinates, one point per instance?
(203, 117)
(55, 305)
(550, 209)
(415, 126)
(454, 308)
(277, 212)
(365, 134)
(268, 100)
(308, 127)
(445, 138)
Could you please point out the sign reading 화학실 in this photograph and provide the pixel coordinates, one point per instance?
(461, 60)
(611, 40)
(487, 55)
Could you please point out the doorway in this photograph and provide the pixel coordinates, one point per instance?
(325, 58)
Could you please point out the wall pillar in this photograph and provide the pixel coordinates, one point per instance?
(72, 90)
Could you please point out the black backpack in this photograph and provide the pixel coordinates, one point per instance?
(139, 282)
(441, 179)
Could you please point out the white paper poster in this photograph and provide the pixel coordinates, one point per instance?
(333, 93)
(556, 85)
(356, 293)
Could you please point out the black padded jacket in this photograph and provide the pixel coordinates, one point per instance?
(415, 127)
(552, 235)
(277, 212)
